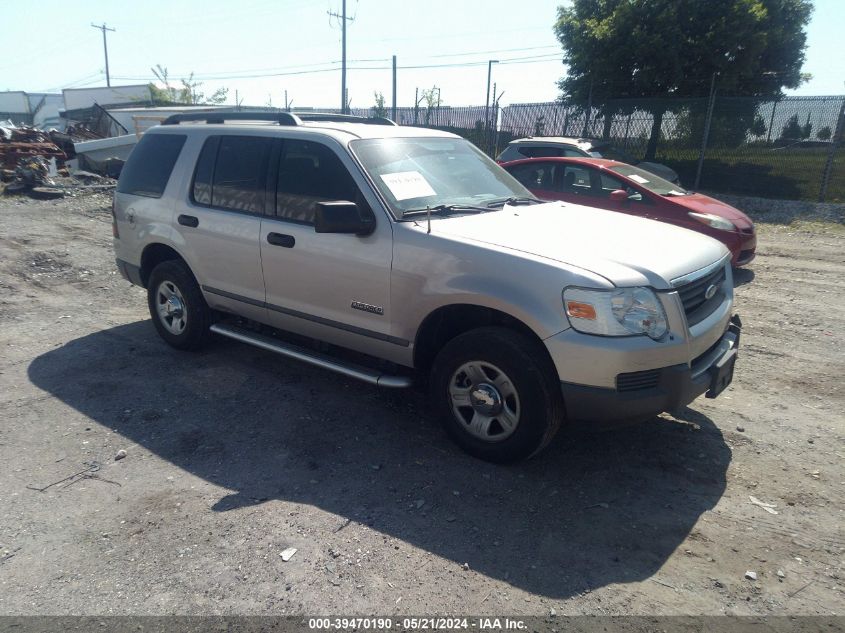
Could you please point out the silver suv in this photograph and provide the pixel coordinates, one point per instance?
(391, 253)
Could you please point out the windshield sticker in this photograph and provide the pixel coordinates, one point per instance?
(408, 184)
(638, 178)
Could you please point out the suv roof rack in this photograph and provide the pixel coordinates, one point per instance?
(343, 118)
(282, 118)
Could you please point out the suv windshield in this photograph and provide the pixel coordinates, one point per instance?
(648, 180)
(413, 173)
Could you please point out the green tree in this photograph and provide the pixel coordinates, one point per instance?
(807, 128)
(824, 133)
(188, 93)
(640, 49)
(432, 100)
(758, 127)
(379, 109)
(792, 129)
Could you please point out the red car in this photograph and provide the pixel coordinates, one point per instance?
(608, 184)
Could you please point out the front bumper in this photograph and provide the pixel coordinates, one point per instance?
(666, 389)
(747, 250)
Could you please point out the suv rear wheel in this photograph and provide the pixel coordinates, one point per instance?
(497, 396)
(177, 306)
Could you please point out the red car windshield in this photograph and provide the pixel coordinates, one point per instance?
(646, 179)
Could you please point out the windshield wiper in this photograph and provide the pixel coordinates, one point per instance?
(513, 201)
(445, 208)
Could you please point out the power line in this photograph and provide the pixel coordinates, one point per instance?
(498, 50)
(208, 77)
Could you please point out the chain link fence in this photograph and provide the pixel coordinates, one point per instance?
(791, 148)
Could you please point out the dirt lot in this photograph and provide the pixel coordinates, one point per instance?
(234, 455)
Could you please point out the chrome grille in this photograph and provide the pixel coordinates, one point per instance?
(697, 306)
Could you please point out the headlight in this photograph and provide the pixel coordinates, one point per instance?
(617, 312)
(714, 221)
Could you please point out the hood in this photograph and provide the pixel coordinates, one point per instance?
(626, 250)
(700, 203)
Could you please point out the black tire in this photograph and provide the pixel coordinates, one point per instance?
(533, 382)
(197, 314)
(46, 193)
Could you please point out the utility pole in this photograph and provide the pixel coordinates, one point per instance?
(589, 110)
(487, 101)
(706, 135)
(493, 124)
(393, 110)
(104, 28)
(496, 109)
(343, 20)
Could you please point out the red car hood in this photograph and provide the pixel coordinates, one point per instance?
(699, 203)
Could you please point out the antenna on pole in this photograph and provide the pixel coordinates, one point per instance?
(344, 107)
(104, 28)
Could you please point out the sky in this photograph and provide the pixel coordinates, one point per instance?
(262, 48)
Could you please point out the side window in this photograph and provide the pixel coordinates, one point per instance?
(610, 183)
(231, 173)
(534, 175)
(574, 179)
(542, 152)
(149, 165)
(310, 173)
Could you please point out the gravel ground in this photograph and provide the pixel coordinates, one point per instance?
(234, 455)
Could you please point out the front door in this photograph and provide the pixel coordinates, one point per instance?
(333, 287)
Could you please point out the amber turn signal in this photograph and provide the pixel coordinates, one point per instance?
(580, 310)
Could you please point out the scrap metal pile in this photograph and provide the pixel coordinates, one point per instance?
(25, 143)
(31, 159)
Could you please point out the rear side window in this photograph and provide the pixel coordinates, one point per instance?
(541, 152)
(534, 175)
(148, 167)
(231, 173)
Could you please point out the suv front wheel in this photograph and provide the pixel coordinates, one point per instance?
(177, 306)
(497, 394)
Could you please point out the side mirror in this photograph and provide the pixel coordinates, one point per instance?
(619, 195)
(341, 216)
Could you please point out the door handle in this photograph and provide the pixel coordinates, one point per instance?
(280, 239)
(188, 220)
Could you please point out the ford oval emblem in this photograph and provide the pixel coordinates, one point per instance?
(711, 290)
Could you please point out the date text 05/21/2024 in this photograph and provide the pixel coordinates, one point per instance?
(418, 624)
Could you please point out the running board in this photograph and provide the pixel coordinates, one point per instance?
(352, 370)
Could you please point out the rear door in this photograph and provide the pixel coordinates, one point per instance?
(219, 221)
(333, 287)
